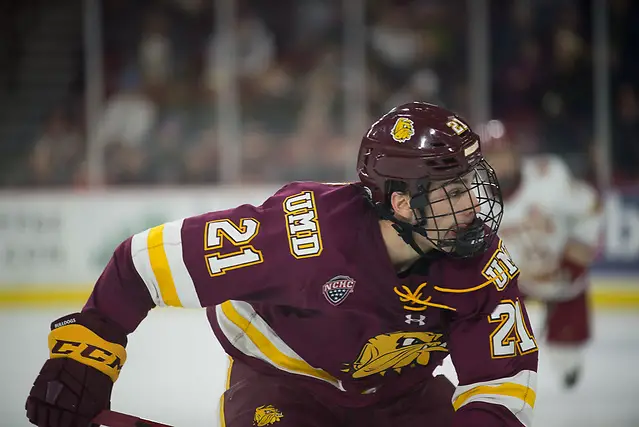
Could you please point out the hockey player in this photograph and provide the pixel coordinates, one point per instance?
(551, 225)
(335, 301)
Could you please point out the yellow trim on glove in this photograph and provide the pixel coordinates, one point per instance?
(85, 346)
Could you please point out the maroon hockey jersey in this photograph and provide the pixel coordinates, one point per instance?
(303, 286)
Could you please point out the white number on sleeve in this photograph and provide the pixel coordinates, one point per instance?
(511, 337)
(241, 236)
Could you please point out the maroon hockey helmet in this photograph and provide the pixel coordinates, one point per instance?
(418, 148)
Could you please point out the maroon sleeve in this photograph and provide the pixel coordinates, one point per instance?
(119, 294)
(249, 253)
(194, 262)
(493, 349)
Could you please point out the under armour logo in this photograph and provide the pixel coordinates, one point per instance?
(421, 320)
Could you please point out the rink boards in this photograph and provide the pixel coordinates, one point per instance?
(53, 245)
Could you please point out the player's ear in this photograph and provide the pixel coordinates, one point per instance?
(400, 203)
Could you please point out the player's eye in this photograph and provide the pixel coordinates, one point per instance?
(456, 193)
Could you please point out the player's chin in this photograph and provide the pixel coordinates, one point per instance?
(449, 235)
(444, 242)
(447, 249)
(447, 240)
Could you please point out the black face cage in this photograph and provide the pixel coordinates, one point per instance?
(469, 239)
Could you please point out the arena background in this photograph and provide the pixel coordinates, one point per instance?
(118, 115)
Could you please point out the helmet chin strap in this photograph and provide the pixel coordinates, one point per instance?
(404, 229)
(468, 241)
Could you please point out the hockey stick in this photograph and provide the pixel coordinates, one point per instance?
(108, 418)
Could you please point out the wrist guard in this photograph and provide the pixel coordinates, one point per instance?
(91, 340)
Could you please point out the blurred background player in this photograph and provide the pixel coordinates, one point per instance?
(552, 226)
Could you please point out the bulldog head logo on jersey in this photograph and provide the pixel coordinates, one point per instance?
(266, 415)
(338, 288)
(395, 351)
(403, 130)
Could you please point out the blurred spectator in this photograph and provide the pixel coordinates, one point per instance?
(125, 165)
(255, 50)
(416, 53)
(165, 153)
(162, 58)
(192, 6)
(155, 51)
(202, 160)
(56, 154)
(260, 154)
(128, 117)
(625, 147)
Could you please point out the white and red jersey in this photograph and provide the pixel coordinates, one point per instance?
(549, 209)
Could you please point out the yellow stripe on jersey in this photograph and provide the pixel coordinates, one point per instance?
(263, 343)
(508, 389)
(158, 258)
(516, 393)
(160, 266)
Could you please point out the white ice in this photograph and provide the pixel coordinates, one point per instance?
(176, 371)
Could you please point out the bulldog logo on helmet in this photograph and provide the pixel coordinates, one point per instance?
(403, 130)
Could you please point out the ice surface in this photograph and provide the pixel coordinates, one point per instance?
(176, 371)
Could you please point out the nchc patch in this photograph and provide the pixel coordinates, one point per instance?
(338, 288)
